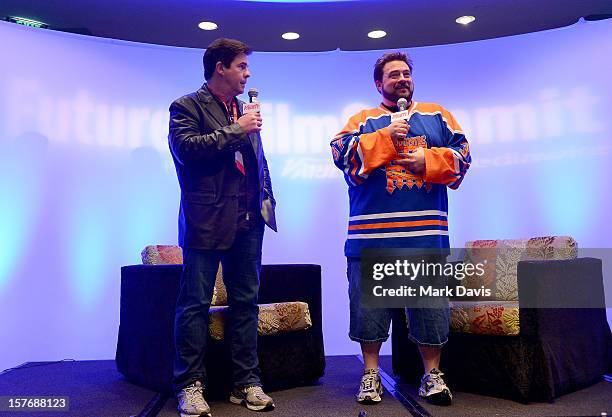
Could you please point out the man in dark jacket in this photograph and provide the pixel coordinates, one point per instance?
(226, 197)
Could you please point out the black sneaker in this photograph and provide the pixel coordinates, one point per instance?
(370, 388)
(434, 389)
(252, 398)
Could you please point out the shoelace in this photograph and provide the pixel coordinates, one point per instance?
(367, 382)
(434, 379)
(195, 395)
(437, 377)
(257, 391)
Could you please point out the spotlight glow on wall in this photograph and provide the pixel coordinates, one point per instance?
(465, 20)
(377, 34)
(207, 25)
(290, 36)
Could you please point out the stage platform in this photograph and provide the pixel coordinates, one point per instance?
(96, 389)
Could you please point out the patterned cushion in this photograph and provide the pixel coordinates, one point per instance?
(501, 257)
(219, 292)
(273, 319)
(162, 254)
(499, 318)
(172, 254)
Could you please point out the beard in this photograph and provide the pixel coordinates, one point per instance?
(395, 95)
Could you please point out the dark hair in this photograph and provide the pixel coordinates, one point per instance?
(224, 50)
(389, 57)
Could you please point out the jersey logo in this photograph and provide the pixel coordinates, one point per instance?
(398, 176)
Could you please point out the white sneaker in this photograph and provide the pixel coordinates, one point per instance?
(370, 388)
(191, 401)
(252, 398)
(434, 389)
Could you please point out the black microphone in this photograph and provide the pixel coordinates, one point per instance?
(402, 103)
(253, 93)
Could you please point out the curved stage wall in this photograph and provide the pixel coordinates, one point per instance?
(86, 180)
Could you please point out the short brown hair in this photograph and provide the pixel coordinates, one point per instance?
(390, 57)
(224, 50)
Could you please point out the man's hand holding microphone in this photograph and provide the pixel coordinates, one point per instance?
(251, 120)
(414, 161)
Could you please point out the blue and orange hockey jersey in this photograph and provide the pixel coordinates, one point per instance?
(389, 206)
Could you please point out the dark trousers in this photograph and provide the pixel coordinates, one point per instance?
(241, 267)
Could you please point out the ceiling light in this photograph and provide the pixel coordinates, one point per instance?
(290, 36)
(465, 20)
(207, 25)
(377, 34)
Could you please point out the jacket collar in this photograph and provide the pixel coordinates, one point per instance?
(204, 94)
(211, 106)
(215, 110)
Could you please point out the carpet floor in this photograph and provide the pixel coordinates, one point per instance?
(96, 389)
(591, 401)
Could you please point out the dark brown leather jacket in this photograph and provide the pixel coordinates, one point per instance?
(203, 143)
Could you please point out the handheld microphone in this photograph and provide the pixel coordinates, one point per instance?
(253, 93)
(402, 114)
(253, 105)
(402, 103)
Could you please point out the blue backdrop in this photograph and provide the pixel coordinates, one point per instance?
(86, 180)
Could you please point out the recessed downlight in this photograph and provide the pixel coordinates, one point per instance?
(465, 20)
(290, 36)
(377, 34)
(207, 25)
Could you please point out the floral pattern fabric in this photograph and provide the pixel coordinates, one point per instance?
(498, 314)
(501, 257)
(162, 254)
(485, 317)
(273, 319)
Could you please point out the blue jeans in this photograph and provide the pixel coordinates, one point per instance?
(426, 326)
(241, 268)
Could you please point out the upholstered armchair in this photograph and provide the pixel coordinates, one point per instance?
(290, 344)
(501, 344)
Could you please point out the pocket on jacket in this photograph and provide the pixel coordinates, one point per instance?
(200, 197)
